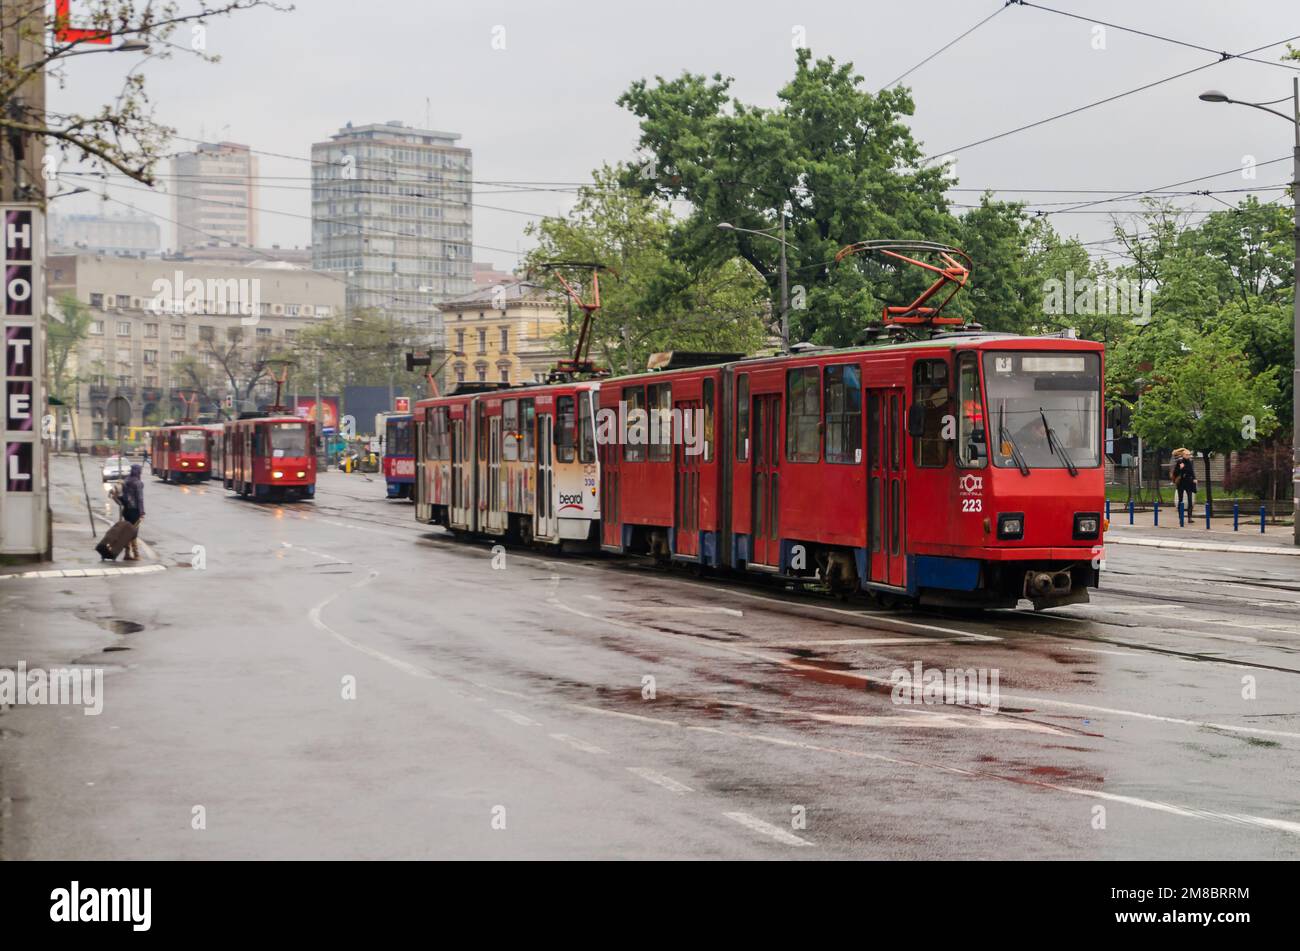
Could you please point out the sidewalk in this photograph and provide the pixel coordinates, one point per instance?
(74, 545)
(1276, 539)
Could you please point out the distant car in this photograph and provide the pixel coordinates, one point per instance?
(116, 467)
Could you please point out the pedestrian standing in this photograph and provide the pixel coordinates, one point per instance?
(132, 502)
(1183, 476)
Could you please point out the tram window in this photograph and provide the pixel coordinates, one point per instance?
(895, 511)
(634, 450)
(873, 430)
(972, 441)
(482, 432)
(288, 440)
(803, 415)
(431, 433)
(875, 513)
(527, 430)
(843, 403)
(895, 430)
(564, 429)
(708, 420)
(742, 417)
(930, 392)
(660, 400)
(510, 430)
(586, 429)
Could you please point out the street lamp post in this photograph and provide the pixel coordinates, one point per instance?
(1213, 95)
(785, 290)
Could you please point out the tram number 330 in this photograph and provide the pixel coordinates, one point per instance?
(971, 505)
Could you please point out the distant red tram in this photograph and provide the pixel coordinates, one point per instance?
(961, 470)
(181, 453)
(270, 458)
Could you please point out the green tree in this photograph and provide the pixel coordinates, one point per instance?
(661, 295)
(1207, 400)
(362, 348)
(64, 331)
(839, 161)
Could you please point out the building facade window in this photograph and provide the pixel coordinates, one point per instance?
(124, 328)
(97, 328)
(151, 330)
(505, 339)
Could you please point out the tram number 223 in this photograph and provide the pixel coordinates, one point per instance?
(971, 505)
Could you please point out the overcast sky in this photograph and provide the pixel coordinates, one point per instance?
(543, 109)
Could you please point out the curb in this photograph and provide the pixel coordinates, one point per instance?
(87, 572)
(1203, 546)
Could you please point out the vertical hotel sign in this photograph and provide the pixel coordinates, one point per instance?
(23, 521)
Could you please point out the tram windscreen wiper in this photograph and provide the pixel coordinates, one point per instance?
(1054, 444)
(1005, 439)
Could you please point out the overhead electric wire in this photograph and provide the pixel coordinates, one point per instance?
(1153, 36)
(950, 43)
(1102, 102)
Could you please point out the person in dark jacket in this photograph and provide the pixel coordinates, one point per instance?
(1183, 476)
(132, 502)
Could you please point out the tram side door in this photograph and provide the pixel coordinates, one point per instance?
(547, 519)
(766, 518)
(460, 473)
(686, 485)
(885, 491)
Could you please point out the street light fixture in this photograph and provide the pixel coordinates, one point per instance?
(785, 293)
(1214, 95)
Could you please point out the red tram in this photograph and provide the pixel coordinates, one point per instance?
(516, 462)
(961, 470)
(181, 453)
(270, 457)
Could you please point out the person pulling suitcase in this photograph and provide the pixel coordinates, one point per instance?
(125, 534)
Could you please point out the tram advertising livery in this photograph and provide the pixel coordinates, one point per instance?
(961, 468)
(399, 455)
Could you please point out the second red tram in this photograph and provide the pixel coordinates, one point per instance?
(181, 454)
(517, 462)
(270, 458)
(961, 470)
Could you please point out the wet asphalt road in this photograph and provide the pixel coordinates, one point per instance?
(597, 708)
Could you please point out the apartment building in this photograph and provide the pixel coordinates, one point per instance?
(391, 210)
(153, 318)
(214, 196)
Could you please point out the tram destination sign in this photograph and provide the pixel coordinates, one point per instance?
(23, 521)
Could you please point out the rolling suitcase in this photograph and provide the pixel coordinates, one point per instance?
(115, 539)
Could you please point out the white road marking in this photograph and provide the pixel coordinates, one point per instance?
(315, 616)
(513, 717)
(865, 641)
(578, 744)
(659, 779)
(755, 824)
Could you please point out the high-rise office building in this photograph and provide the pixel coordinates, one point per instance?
(391, 208)
(214, 196)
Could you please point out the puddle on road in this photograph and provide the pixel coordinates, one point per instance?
(119, 626)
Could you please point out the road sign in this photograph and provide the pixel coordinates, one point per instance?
(402, 404)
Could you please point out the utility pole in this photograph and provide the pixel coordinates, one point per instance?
(785, 291)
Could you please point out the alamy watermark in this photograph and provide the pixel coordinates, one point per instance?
(655, 427)
(60, 686)
(951, 686)
(214, 295)
(1088, 295)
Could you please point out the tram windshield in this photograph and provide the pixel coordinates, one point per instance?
(194, 442)
(288, 440)
(1044, 409)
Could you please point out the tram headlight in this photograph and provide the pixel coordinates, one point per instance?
(185, 465)
(1087, 524)
(277, 474)
(1011, 525)
(302, 475)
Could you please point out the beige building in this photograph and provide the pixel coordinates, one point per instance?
(153, 317)
(214, 196)
(504, 333)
